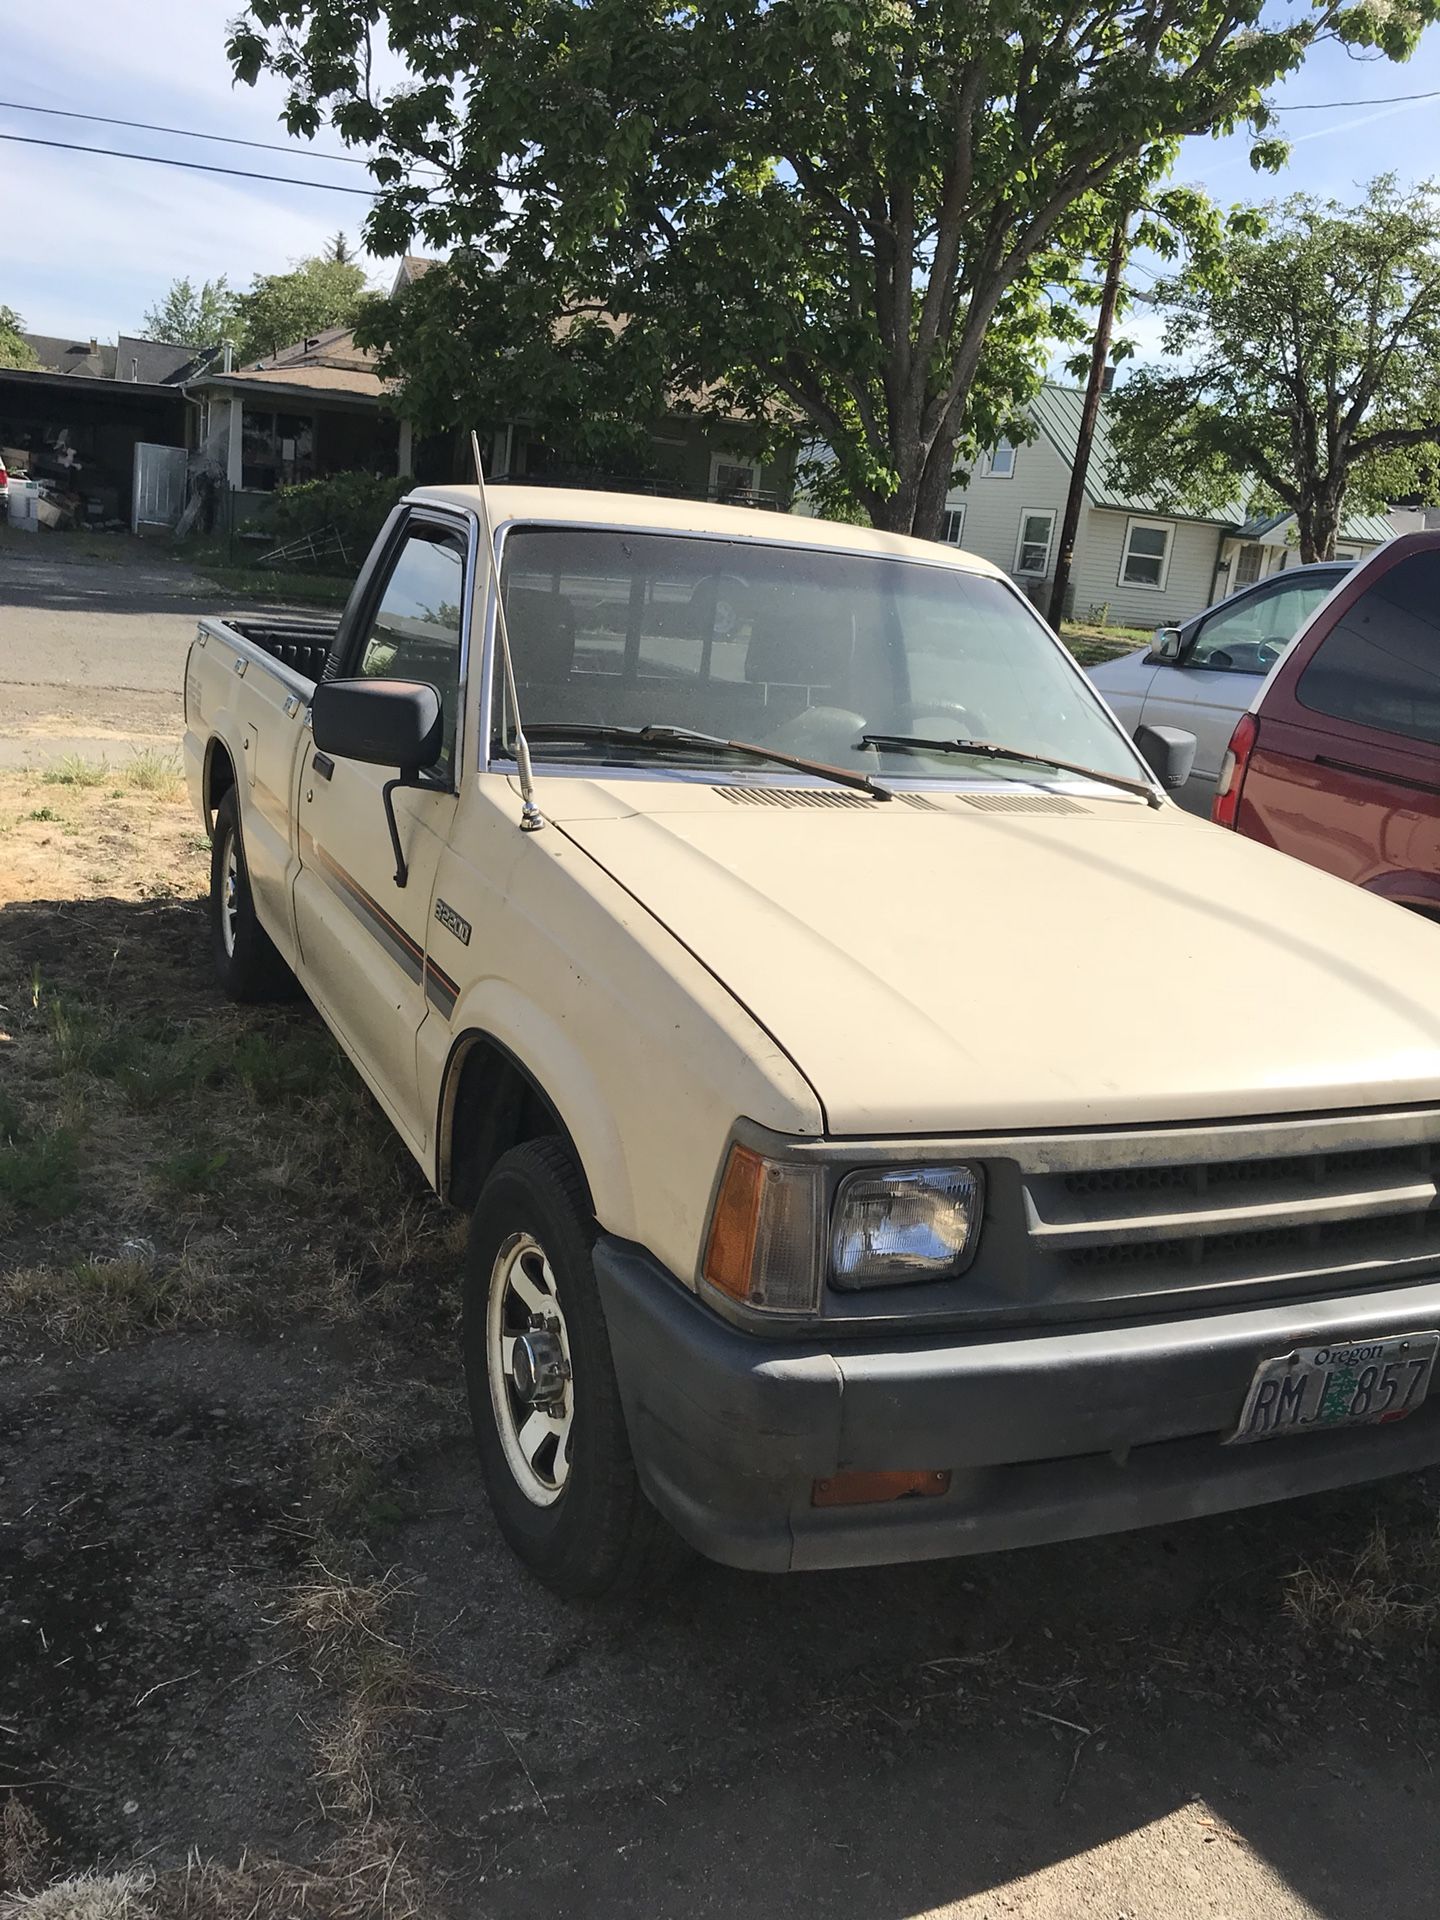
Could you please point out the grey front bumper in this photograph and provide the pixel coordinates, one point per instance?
(1048, 1435)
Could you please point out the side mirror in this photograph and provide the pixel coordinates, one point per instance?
(1169, 752)
(386, 723)
(1166, 644)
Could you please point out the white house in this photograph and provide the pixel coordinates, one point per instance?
(1136, 562)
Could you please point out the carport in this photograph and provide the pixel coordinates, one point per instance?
(79, 432)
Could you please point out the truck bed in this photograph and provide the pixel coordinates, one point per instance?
(294, 639)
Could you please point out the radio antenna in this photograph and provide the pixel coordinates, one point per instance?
(531, 818)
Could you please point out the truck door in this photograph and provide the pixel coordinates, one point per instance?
(362, 937)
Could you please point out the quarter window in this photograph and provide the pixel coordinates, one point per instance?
(1000, 461)
(1032, 549)
(415, 631)
(1379, 665)
(1147, 553)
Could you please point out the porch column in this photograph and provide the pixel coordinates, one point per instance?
(406, 455)
(234, 462)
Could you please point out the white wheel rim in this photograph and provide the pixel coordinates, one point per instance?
(229, 893)
(535, 1439)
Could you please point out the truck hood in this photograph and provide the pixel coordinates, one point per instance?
(948, 967)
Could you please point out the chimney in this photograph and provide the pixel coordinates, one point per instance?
(134, 367)
(94, 344)
(228, 362)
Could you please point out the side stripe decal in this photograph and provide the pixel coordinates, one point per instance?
(440, 990)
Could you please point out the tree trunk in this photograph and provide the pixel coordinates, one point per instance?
(1089, 413)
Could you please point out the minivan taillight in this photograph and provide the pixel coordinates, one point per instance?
(1232, 771)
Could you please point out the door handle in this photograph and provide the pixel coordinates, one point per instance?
(323, 765)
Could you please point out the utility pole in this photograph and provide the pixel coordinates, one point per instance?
(1089, 413)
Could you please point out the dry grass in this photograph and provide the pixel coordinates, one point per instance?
(26, 1849)
(98, 1304)
(369, 1880)
(1389, 1586)
(164, 1156)
(346, 1623)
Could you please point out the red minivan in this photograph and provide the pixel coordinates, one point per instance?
(1338, 761)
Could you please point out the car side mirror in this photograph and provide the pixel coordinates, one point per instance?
(1166, 644)
(385, 723)
(1169, 752)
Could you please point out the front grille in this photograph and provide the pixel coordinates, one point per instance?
(1264, 1216)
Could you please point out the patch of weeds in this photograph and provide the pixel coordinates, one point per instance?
(39, 1170)
(1387, 1587)
(194, 1169)
(74, 770)
(98, 1303)
(42, 813)
(151, 771)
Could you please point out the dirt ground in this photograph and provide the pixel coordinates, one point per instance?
(262, 1652)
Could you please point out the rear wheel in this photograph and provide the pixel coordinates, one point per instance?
(247, 963)
(544, 1401)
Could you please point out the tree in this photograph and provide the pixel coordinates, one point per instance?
(15, 350)
(193, 318)
(283, 308)
(1311, 364)
(822, 204)
(339, 250)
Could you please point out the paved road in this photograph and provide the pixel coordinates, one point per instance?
(92, 653)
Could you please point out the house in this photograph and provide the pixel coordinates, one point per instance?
(1137, 562)
(321, 407)
(74, 421)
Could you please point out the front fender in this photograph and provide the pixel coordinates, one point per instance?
(498, 1012)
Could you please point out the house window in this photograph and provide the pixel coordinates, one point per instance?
(735, 481)
(1032, 549)
(952, 526)
(1247, 567)
(1000, 461)
(1147, 553)
(276, 450)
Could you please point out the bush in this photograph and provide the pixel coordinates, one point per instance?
(354, 505)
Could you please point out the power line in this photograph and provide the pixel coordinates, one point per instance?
(182, 133)
(1383, 100)
(191, 166)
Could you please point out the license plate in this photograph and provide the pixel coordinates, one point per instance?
(1360, 1383)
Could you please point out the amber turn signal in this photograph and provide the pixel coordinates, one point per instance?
(730, 1256)
(863, 1489)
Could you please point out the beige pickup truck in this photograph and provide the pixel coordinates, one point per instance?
(892, 1127)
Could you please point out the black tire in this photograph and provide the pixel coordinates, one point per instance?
(599, 1536)
(247, 964)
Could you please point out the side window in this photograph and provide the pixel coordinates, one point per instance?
(415, 631)
(1379, 665)
(1250, 636)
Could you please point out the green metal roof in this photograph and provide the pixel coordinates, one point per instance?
(1056, 411)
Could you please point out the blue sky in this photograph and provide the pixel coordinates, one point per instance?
(88, 243)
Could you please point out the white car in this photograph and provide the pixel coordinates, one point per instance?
(1203, 676)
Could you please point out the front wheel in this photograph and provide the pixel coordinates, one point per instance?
(544, 1402)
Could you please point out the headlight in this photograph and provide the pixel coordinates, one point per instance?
(912, 1223)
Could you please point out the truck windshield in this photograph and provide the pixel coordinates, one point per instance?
(804, 650)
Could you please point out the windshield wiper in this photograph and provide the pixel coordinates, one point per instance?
(989, 750)
(659, 736)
